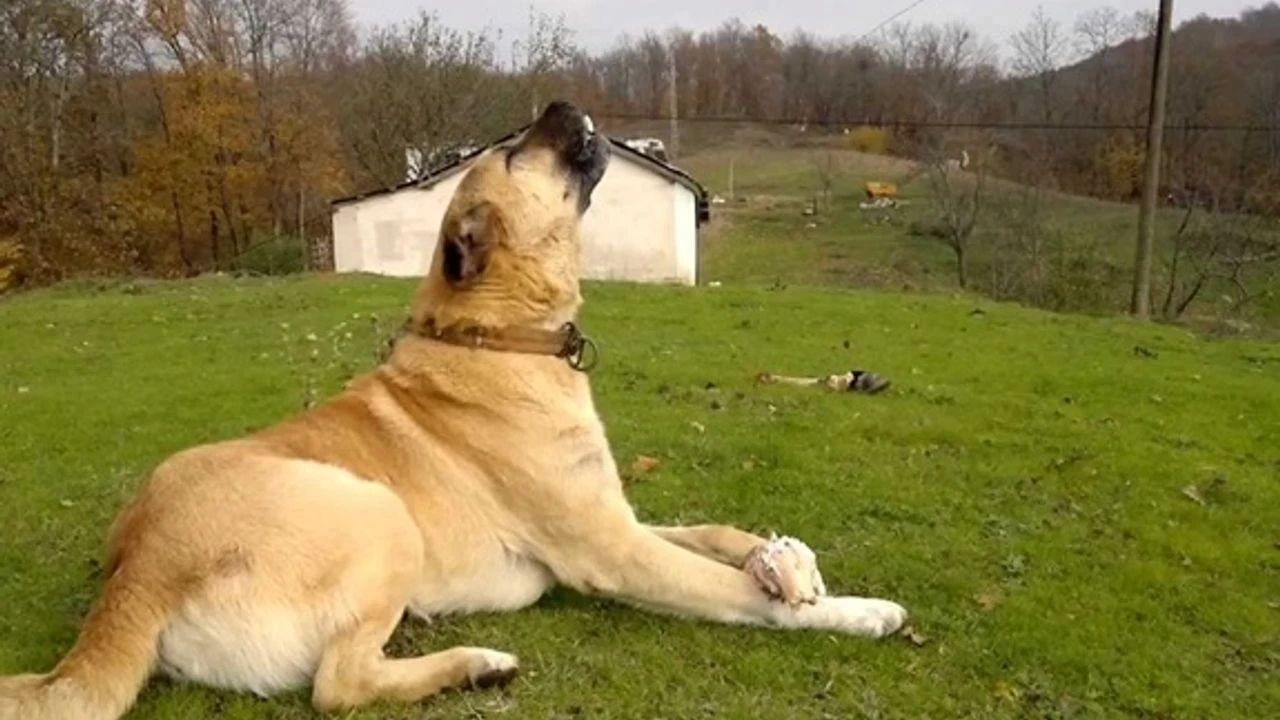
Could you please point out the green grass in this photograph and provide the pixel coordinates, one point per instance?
(844, 245)
(762, 237)
(1031, 460)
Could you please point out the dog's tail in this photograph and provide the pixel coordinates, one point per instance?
(101, 676)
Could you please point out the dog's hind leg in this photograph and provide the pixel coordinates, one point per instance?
(721, 543)
(353, 670)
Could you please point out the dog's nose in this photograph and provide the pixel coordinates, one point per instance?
(571, 134)
(563, 126)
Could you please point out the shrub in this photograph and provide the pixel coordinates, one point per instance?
(11, 257)
(271, 256)
(1119, 164)
(868, 139)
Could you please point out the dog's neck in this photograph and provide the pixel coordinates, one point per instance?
(494, 306)
(497, 303)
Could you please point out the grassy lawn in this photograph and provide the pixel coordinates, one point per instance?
(1021, 490)
(762, 237)
(847, 246)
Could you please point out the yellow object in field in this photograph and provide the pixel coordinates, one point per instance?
(877, 190)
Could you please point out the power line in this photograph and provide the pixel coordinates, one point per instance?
(928, 124)
(893, 17)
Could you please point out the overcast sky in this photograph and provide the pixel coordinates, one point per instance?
(597, 23)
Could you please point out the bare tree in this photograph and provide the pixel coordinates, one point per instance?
(1237, 254)
(422, 87)
(828, 171)
(652, 64)
(545, 50)
(1142, 24)
(957, 199)
(1098, 33)
(1039, 51)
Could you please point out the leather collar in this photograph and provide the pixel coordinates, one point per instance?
(567, 343)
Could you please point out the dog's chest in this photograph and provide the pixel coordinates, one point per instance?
(582, 452)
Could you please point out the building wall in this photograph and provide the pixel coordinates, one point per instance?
(392, 234)
(630, 231)
(686, 234)
(641, 227)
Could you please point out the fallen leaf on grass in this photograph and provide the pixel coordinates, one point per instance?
(1192, 493)
(990, 600)
(698, 426)
(914, 636)
(643, 464)
(1005, 691)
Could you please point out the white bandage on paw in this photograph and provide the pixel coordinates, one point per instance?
(786, 569)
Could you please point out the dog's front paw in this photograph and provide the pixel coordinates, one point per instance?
(865, 617)
(786, 569)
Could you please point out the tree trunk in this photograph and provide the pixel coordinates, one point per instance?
(302, 227)
(1191, 297)
(215, 239)
(188, 266)
(1178, 244)
(1167, 309)
(56, 103)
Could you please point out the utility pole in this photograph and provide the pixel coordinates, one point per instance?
(673, 99)
(530, 70)
(1140, 305)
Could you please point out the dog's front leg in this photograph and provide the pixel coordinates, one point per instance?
(722, 543)
(623, 559)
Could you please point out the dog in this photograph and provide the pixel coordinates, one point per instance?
(468, 472)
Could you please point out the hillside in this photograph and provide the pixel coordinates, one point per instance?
(1224, 77)
(763, 236)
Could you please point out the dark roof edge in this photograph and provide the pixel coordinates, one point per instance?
(432, 176)
(661, 167)
(671, 172)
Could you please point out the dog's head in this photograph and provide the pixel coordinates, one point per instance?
(509, 245)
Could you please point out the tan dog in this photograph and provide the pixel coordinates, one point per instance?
(450, 479)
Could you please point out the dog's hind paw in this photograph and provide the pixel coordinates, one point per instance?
(490, 668)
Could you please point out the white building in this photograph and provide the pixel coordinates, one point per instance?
(642, 225)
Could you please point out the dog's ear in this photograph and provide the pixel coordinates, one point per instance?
(468, 245)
